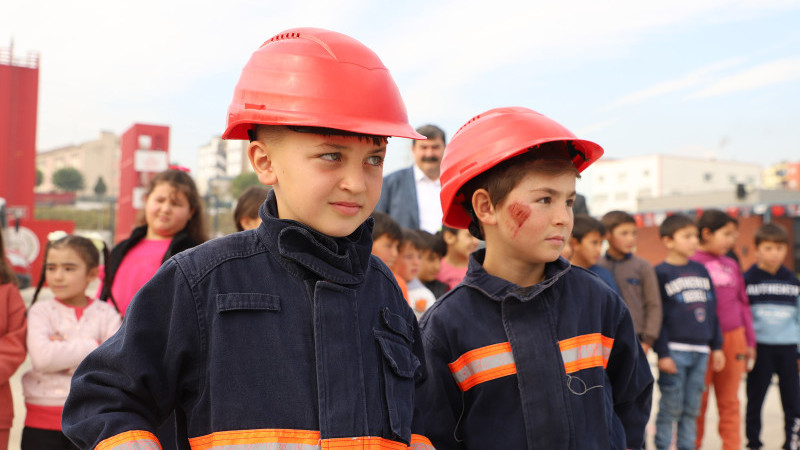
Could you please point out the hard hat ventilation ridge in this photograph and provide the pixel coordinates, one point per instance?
(283, 36)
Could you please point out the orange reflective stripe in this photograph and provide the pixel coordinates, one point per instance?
(130, 440)
(583, 352)
(483, 364)
(362, 443)
(281, 439)
(419, 442)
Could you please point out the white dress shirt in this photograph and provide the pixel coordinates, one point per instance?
(430, 207)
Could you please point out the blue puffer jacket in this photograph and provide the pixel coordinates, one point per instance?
(279, 337)
(556, 365)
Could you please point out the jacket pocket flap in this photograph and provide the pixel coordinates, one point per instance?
(397, 324)
(248, 301)
(397, 353)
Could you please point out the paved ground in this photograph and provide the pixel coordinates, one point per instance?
(772, 434)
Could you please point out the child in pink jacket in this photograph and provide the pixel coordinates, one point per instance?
(12, 342)
(61, 332)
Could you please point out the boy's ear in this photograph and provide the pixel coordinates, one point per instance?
(261, 161)
(667, 241)
(483, 207)
(574, 242)
(93, 273)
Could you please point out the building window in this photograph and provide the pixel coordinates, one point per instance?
(708, 177)
(732, 179)
(646, 174)
(621, 196)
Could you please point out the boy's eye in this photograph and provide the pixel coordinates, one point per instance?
(545, 200)
(375, 160)
(570, 202)
(331, 156)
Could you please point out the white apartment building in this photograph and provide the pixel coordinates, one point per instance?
(220, 159)
(94, 159)
(622, 183)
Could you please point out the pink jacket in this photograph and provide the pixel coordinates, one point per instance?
(58, 342)
(12, 346)
(733, 306)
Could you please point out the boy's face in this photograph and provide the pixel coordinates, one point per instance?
(623, 238)
(771, 255)
(535, 220)
(330, 183)
(683, 242)
(385, 248)
(430, 266)
(408, 262)
(462, 243)
(588, 250)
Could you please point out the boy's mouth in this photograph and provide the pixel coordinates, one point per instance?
(347, 208)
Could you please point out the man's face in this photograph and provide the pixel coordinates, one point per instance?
(428, 156)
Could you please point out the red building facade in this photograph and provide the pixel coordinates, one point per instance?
(19, 96)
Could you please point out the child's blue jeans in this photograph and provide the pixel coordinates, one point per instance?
(680, 399)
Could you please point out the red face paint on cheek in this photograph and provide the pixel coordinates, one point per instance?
(518, 214)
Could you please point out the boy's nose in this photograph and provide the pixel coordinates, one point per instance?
(562, 215)
(354, 180)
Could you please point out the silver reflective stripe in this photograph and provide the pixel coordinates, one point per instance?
(585, 351)
(139, 444)
(483, 364)
(421, 446)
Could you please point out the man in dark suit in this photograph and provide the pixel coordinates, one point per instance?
(411, 195)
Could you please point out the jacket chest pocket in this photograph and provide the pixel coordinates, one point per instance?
(245, 317)
(399, 366)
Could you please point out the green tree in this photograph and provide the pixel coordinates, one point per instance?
(242, 182)
(68, 179)
(39, 177)
(100, 187)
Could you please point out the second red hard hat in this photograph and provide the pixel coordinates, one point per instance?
(491, 138)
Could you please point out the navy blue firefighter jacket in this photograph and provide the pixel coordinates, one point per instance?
(279, 337)
(556, 365)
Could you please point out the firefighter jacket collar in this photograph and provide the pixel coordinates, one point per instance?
(309, 254)
(499, 289)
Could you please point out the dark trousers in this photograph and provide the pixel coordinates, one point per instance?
(39, 439)
(781, 360)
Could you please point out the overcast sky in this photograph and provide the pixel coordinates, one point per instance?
(706, 78)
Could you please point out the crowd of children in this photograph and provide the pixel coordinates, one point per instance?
(289, 334)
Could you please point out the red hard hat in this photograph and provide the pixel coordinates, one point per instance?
(317, 78)
(491, 138)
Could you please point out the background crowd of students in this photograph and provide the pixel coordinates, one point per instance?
(700, 340)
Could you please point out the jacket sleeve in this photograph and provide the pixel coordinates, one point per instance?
(631, 381)
(651, 303)
(711, 312)
(49, 354)
(111, 323)
(125, 389)
(442, 402)
(661, 344)
(747, 315)
(12, 341)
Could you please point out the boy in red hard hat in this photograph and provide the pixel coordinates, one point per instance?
(290, 335)
(527, 352)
